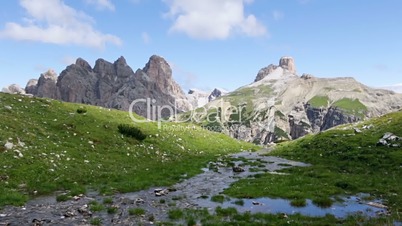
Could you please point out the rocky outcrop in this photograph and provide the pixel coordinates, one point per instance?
(216, 93)
(288, 63)
(307, 76)
(115, 85)
(77, 84)
(336, 117)
(32, 86)
(264, 72)
(46, 86)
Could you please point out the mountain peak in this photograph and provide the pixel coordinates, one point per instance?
(83, 63)
(157, 67)
(121, 61)
(288, 63)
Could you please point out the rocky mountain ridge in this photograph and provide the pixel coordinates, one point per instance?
(278, 105)
(114, 85)
(281, 105)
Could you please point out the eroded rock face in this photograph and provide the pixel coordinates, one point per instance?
(32, 86)
(114, 85)
(288, 63)
(46, 86)
(264, 72)
(335, 117)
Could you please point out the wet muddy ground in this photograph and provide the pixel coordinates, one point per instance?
(150, 206)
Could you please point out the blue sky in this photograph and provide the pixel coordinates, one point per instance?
(209, 43)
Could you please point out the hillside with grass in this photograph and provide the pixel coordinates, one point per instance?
(48, 145)
(345, 161)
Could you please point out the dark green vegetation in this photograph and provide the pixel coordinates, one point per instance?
(95, 206)
(67, 151)
(218, 198)
(95, 221)
(136, 211)
(230, 216)
(343, 163)
(131, 131)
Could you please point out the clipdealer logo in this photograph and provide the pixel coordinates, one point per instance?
(214, 115)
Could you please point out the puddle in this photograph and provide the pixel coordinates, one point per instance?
(350, 206)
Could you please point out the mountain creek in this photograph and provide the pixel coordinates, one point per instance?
(148, 207)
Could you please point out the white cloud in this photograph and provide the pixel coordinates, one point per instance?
(102, 4)
(145, 37)
(278, 15)
(213, 19)
(52, 21)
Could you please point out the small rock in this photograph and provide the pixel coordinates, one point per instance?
(69, 214)
(20, 143)
(8, 107)
(161, 192)
(238, 169)
(84, 211)
(378, 205)
(255, 203)
(36, 222)
(3, 215)
(139, 201)
(382, 142)
(8, 145)
(387, 135)
(357, 130)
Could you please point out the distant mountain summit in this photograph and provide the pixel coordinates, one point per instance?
(113, 85)
(281, 105)
(199, 98)
(396, 88)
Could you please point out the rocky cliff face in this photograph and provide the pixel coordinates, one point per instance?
(114, 85)
(281, 105)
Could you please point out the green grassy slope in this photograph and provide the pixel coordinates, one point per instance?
(343, 163)
(65, 150)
